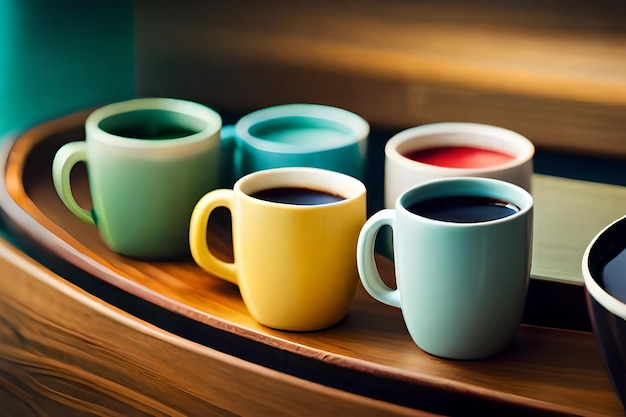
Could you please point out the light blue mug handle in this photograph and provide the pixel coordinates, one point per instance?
(366, 262)
(230, 157)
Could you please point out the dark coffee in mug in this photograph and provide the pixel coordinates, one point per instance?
(464, 209)
(297, 195)
(613, 273)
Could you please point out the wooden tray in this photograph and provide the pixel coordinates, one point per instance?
(56, 362)
(550, 370)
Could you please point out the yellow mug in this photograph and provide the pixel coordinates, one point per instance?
(295, 232)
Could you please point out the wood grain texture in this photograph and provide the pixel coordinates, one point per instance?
(544, 371)
(555, 71)
(64, 352)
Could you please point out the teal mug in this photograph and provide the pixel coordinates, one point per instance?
(149, 161)
(292, 135)
(462, 255)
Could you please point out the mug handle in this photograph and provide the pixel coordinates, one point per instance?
(198, 234)
(230, 157)
(366, 262)
(64, 160)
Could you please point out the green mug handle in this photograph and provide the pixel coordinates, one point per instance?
(64, 160)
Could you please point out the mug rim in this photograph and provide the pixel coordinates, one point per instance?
(599, 294)
(523, 152)
(485, 187)
(190, 108)
(344, 185)
(355, 123)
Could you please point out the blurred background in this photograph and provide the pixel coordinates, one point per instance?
(552, 70)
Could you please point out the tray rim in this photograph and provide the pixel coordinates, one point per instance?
(20, 219)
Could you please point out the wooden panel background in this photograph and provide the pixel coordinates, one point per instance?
(64, 352)
(552, 70)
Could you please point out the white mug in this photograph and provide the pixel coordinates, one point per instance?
(402, 172)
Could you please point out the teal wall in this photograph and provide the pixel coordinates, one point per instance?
(59, 56)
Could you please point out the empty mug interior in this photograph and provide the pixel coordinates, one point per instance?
(152, 124)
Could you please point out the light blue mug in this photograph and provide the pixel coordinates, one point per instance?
(461, 280)
(288, 135)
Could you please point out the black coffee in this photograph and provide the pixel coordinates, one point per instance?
(464, 209)
(297, 195)
(613, 274)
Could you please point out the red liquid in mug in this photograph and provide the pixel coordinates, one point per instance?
(459, 157)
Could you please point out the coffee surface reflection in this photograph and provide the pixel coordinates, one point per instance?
(464, 209)
(297, 195)
(613, 275)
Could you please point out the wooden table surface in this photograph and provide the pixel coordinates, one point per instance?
(65, 352)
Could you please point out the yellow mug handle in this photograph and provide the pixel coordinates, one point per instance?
(198, 234)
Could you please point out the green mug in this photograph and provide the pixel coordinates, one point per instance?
(462, 254)
(149, 160)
